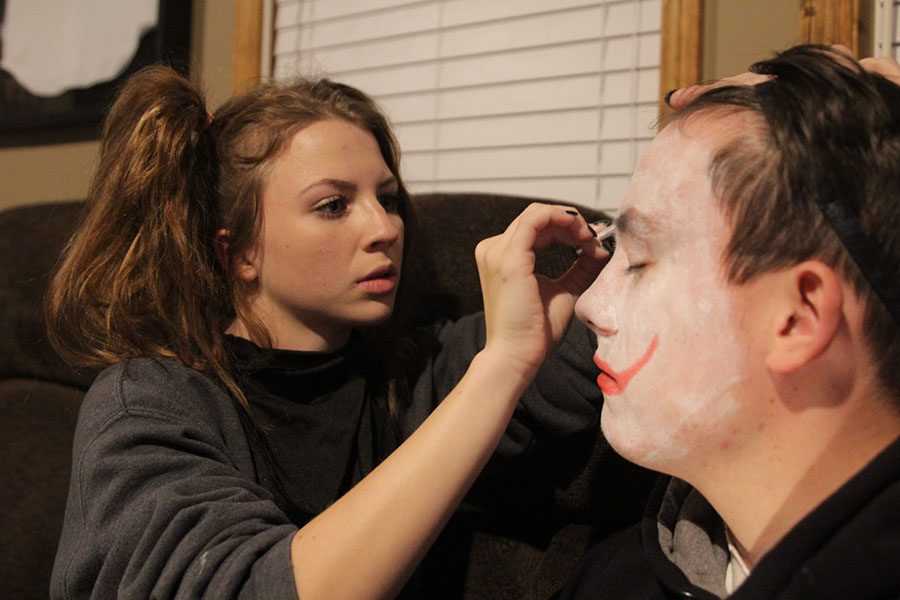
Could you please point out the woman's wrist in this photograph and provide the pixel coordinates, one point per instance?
(505, 364)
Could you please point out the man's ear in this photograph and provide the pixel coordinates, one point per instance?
(809, 312)
(243, 266)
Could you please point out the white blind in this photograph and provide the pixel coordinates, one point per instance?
(887, 28)
(547, 98)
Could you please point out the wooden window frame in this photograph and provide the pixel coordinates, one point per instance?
(246, 54)
(831, 22)
(681, 46)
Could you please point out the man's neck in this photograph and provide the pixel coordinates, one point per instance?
(793, 469)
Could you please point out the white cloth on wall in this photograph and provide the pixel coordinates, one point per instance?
(53, 45)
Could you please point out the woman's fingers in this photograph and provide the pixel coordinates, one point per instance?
(581, 275)
(536, 228)
(885, 66)
(682, 97)
(540, 226)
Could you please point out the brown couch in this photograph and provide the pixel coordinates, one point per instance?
(517, 538)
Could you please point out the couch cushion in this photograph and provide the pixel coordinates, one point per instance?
(36, 430)
(31, 238)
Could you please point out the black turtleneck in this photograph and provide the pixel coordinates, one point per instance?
(321, 422)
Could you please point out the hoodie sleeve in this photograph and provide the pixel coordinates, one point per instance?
(563, 399)
(162, 499)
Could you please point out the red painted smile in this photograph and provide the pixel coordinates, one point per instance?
(613, 383)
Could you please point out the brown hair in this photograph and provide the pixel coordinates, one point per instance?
(140, 277)
(824, 131)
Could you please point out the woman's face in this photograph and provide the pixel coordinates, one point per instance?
(331, 238)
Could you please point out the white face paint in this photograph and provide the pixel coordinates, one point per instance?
(669, 340)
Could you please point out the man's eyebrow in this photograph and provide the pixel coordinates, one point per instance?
(632, 222)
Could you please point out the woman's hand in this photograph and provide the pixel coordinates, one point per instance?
(683, 96)
(885, 66)
(526, 314)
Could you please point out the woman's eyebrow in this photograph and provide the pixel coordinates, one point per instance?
(389, 182)
(338, 183)
(348, 185)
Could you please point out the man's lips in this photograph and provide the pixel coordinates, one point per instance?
(612, 382)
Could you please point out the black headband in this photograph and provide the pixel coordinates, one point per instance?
(865, 252)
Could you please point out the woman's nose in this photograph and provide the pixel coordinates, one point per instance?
(386, 226)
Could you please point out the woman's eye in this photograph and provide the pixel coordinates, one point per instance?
(332, 207)
(391, 202)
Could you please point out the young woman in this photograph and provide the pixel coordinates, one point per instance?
(245, 439)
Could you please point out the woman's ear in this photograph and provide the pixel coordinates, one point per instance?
(242, 267)
(809, 312)
(220, 246)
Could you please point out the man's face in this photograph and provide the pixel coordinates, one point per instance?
(671, 336)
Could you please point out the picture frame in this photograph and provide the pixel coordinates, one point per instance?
(77, 114)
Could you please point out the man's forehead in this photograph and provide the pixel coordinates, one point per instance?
(671, 187)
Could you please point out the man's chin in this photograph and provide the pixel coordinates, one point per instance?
(633, 444)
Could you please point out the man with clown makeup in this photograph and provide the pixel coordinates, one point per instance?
(748, 331)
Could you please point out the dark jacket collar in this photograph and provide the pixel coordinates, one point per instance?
(848, 547)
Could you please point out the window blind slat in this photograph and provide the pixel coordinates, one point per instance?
(395, 51)
(577, 92)
(410, 107)
(523, 130)
(574, 59)
(574, 159)
(541, 30)
(371, 26)
(572, 189)
(415, 137)
(401, 79)
(332, 9)
(616, 158)
(463, 12)
(651, 16)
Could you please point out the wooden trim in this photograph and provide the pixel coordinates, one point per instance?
(681, 49)
(247, 53)
(830, 22)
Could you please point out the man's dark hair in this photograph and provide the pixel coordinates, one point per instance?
(816, 176)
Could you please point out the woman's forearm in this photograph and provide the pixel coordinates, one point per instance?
(368, 543)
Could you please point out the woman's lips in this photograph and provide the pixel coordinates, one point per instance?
(613, 383)
(381, 281)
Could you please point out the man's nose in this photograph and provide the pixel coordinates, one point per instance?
(595, 308)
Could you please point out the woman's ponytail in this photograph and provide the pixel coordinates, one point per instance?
(140, 277)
